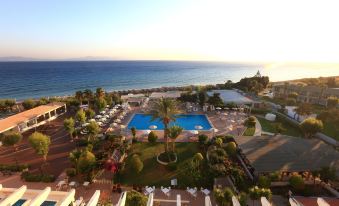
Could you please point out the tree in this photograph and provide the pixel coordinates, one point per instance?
(152, 137)
(40, 144)
(88, 95)
(297, 182)
(231, 148)
(28, 104)
(86, 162)
(74, 157)
(93, 129)
(90, 113)
(303, 109)
(197, 159)
(202, 97)
(100, 93)
(69, 126)
(6, 104)
(264, 182)
(332, 102)
(11, 139)
(136, 164)
(173, 133)
(311, 126)
(81, 116)
(166, 110)
(79, 96)
(250, 121)
(216, 100)
(135, 198)
(134, 132)
(223, 196)
(202, 138)
(327, 174)
(100, 103)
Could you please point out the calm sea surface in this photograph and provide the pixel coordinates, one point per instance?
(37, 79)
(22, 80)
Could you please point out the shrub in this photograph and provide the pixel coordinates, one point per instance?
(264, 182)
(327, 173)
(135, 198)
(218, 142)
(223, 197)
(297, 182)
(152, 137)
(136, 163)
(291, 102)
(243, 199)
(172, 166)
(250, 122)
(203, 138)
(13, 167)
(311, 126)
(275, 176)
(29, 177)
(71, 172)
(231, 148)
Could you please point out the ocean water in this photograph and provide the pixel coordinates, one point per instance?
(22, 80)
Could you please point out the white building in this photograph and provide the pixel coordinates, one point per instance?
(32, 118)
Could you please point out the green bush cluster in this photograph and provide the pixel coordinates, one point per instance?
(250, 122)
(202, 138)
(264, 182)
(297, 182)
(13, 167)
(152, 137)
(172, 166)
(71, 172)
(29, 177)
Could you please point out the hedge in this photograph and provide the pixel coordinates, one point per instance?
(13, 167)
(29, 177)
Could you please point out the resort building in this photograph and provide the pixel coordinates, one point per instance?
(168, 94)
(308, 94)
(32, 118)
(134, 99)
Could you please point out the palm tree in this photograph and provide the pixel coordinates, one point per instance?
(100, 92)
(88, 95)
(173, 133)
(79, 96)
(165, 109)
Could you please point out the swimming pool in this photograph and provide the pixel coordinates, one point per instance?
(186, 121)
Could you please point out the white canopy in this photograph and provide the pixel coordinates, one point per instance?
(153, 126)
(265, 202)
(39, 199)
(94, 199)
(322, 202)
(14, 197)
(198, 127)
(194, 132)
(235, 201)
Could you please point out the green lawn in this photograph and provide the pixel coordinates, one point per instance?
(331, 130)
(268, 126)
(249, 131)
(153, 173)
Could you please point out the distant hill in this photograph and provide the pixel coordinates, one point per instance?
(22, 59)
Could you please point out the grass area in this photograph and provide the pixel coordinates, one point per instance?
(268, 126)
(154, 173)
(332, 130)
(249, 131)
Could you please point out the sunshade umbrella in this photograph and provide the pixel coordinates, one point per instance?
(153, 126)
(194, 132)
(198, 127)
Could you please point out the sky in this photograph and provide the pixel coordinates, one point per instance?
(221, 30)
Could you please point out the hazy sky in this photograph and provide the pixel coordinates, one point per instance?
(260, 30)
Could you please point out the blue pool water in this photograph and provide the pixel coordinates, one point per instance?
(186, 121)
(46, 203)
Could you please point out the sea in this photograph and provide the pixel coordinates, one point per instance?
(22, 80)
